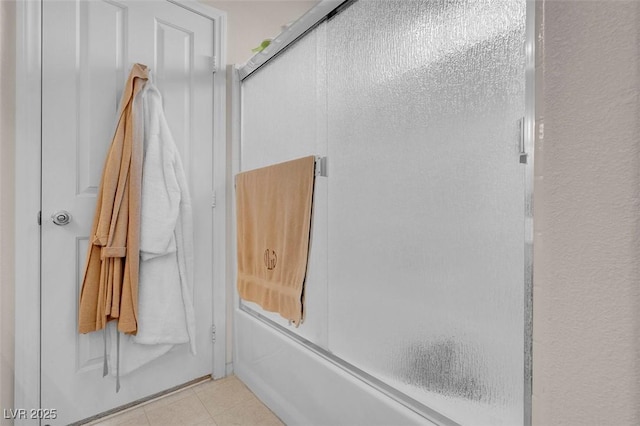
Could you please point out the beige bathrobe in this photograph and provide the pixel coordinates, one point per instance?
(110, 284)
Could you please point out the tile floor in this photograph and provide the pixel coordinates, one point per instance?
(222, 402)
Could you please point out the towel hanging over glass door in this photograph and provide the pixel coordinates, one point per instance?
(274, 206)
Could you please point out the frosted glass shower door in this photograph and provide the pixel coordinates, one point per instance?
(426, 201)
(283, 118)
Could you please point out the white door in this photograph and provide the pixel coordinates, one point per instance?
(88, 49)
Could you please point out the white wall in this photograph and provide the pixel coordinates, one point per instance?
(586, 363)
(7, 138)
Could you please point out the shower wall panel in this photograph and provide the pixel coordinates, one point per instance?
(417, 259)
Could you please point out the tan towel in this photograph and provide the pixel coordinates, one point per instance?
(110, 284)
(274, 221)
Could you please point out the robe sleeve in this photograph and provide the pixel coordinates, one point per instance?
(161, 193)
(184, 237)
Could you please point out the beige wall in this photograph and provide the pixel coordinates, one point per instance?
(250, 22)
(7, 137)
(586, 363)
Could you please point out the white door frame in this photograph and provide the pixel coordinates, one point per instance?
(28, 163)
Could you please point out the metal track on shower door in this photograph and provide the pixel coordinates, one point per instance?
(324, 11)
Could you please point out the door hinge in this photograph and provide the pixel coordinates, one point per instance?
(522, 152)
(213, 199)
(40, 218)
(214, 64)
(213, 333)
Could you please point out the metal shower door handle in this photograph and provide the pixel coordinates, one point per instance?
(61, 218)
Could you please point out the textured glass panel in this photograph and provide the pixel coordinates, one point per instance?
(426, 201)
(280, 119)
(284, 117)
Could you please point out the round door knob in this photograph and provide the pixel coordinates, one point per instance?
(61, 218)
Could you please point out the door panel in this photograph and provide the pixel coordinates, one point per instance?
(88, 49)
(100, 79)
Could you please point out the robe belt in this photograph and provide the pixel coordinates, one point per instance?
(107, 252)
(105, 367)
(113, 252)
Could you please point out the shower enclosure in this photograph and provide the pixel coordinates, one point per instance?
(417, 297)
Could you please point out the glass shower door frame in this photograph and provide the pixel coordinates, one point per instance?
(303, 26)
